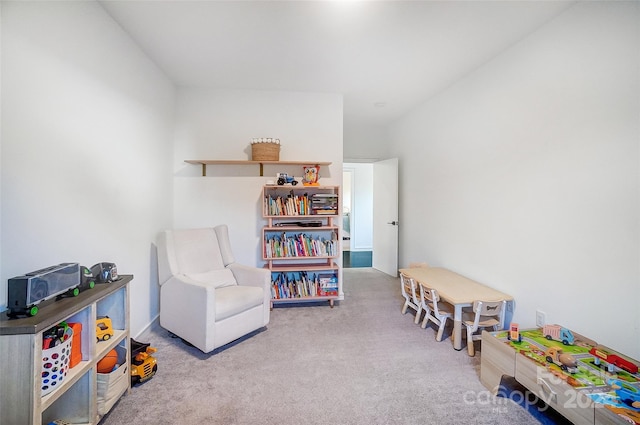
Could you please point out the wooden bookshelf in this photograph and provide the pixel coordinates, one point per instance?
(301, 242)
(205, 162)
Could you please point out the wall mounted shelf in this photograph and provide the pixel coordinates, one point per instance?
(205, 162)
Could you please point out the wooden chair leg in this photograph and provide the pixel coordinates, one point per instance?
(417, 319)
(470, 348)
(441, 329)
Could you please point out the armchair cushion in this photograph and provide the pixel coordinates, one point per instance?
(233, 300)
(197, 250)
(215, 278)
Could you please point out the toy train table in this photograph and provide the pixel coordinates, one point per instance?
(585, 382)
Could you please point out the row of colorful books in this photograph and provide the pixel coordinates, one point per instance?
(300, 245)
(301, 285)
(292, 204)
(289, 205)
(324, 203)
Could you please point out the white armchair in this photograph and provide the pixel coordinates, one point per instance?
(206, 298)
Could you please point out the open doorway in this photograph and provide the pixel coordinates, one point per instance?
(357, 215)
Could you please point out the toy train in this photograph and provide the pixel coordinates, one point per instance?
(612, 359)
(28, 291)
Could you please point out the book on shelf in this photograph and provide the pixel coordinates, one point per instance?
(328, 284)
(289, 205)
(285, 245)
(294, 285)
(324, 203)
(293, 204)
(332, 196)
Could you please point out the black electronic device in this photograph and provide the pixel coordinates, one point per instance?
(26, 292)
(299, 224)
(105, 272)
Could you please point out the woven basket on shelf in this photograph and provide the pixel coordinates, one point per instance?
(265, 151)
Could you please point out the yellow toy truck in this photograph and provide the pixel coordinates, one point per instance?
(143, 364)
(104, 328)
(566, 361)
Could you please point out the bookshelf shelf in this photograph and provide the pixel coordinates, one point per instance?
(331, 299)
(285, 228)
(300, 243)
(277, 267)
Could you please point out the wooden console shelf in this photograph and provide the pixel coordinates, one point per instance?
(205, 162)
(76, 399)
(584, 394)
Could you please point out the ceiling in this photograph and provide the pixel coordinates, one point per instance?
(384, 57)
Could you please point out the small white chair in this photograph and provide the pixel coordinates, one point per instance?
(435, 310)
(410, 295)
(485, 314)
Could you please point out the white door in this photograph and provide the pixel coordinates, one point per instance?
(385, 216)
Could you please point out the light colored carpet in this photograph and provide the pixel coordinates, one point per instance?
(360, 363)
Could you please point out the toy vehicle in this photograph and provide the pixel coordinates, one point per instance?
(105, 272)
(612, 359)
(104, 328)
(566, 362)
(26, 292)
(626, 393)
(87, 281)
(284, 178)
(558, 333)
(143, 364)
(514, 333)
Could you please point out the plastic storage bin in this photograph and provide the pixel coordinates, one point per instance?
(112, 385)
(55, 363)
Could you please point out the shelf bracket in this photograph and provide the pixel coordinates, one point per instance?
(261, 170)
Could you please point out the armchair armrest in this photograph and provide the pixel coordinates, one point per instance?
(187, 308)
(251, 276)
(254, 276)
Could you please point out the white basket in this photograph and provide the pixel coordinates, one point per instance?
(55, 364)
(112, 385)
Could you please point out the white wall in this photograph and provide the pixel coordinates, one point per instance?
(2, 297)
(86, 147)
(525, 174)
(364, 141)
(219, 124)
(362, 199)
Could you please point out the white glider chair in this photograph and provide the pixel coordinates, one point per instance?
(206, 298)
